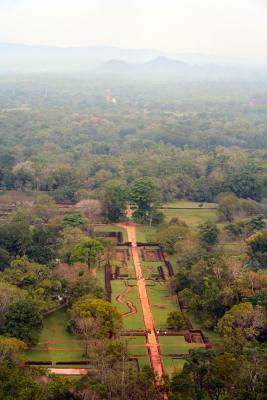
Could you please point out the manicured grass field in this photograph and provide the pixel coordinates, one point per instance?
(190, 204)
(100, 277)
(172, 365)
(162, 302)
(133, 321)
(193, 217)
(144, 233)
(55, 336)
(176, 345)
(137, 345)
(137, 348)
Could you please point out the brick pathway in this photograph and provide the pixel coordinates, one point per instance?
(155, 356)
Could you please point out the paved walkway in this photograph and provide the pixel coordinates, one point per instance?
(156, 360)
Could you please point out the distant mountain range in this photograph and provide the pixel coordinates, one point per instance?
(26, 58)
(162, 67)
(157, 66)
(20, 58)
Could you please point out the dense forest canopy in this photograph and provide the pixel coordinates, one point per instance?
(186, 161)
(71, 135)
(133, 200)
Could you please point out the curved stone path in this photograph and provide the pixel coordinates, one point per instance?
(129, 304)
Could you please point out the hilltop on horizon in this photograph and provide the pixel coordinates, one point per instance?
(25, 58)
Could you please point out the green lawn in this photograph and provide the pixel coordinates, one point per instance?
(144, 233)
(134, 321)
(55, 330)
(137, 345)
(176, 345)
(189, 204)
(231, 249)
(172, 365)
(137, 348)
(192, 217)
(100, 277)
(162, 302)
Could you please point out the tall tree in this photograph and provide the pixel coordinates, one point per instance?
(114, 201)
(10, 348)
(88, 252)
(242, 323)
(208, 233)
(24, 321)
(97, 316)
(145, 195)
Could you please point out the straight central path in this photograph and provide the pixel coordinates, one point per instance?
(156, 360)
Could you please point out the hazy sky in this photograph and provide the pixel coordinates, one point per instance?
(236, 28)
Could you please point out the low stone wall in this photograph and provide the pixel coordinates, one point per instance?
(108, 277)
(117, 235)
(134, 333)
(148, 244)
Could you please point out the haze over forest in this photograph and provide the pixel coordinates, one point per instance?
(133, 200)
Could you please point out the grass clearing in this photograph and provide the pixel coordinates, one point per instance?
(137, 348)
(137, 345)
(54, 336)
(190, 204)
(173, 365)
(145, 232)
(176, 345)
(100, 277)
(192, 217)
(190, 212)
(133, 321)
(162, 302)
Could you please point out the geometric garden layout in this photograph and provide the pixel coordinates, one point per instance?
(140, 271)
(135, 278)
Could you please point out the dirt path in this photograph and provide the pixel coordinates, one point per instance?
(155, 356)
(93, 272)
(68, 371)
(129, 304)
